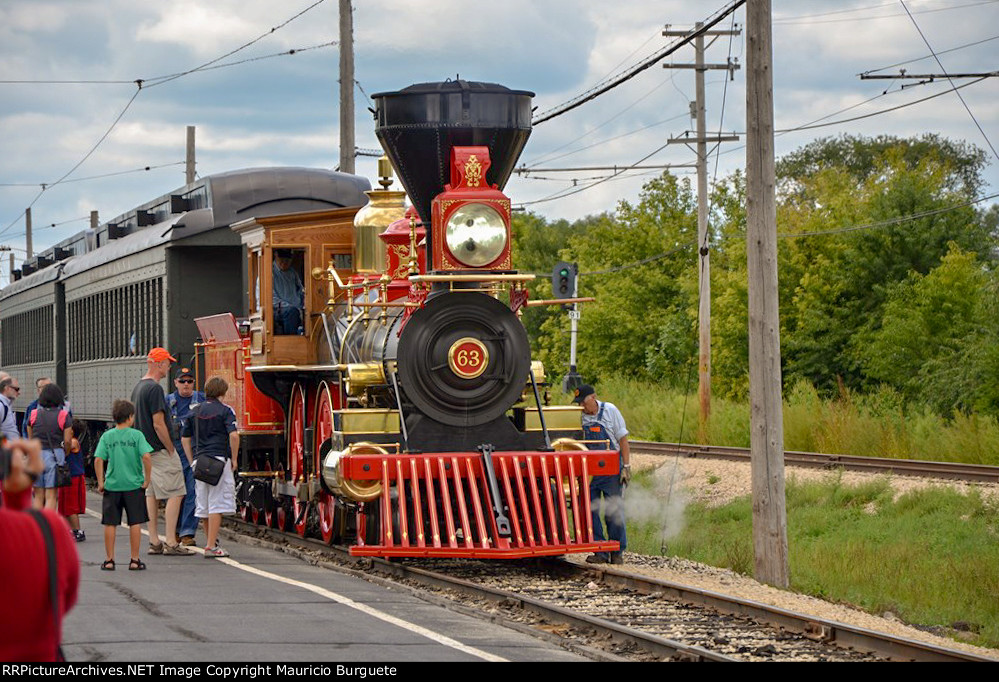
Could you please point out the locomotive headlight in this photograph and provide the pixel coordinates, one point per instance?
(476, 234)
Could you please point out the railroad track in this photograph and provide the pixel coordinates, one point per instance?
(907, 467)
(612, 614)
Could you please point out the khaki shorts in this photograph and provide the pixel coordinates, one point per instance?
(168, 476)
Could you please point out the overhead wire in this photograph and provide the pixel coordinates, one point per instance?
(789, 21)
(950, 80)
(610, 84)
(46, 187)
(166, 79)
(152, 83)
(893, 221)
(919, 59)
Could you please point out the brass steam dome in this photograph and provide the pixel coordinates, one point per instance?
(384, 207)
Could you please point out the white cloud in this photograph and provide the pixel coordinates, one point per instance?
(284, 110)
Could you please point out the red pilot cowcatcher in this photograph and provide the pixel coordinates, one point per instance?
(470, 219)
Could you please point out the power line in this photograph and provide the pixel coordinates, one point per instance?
(625, 76)
(790, 21)
(919, 59)
(893, 221)
(166, 79)
(950, 80)
(155, 79)
(86, 156)
(98, 177)
(568, 193)
(546, 158)
(597, 144)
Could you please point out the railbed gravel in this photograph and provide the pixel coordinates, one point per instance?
(736, 636)
(717, 482)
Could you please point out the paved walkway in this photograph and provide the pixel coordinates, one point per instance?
(264, 606)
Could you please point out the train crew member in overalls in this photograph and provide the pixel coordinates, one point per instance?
(288, 294)
(181, 402)
(602, 421)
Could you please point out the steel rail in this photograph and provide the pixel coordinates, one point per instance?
(826, 631)
(819, 629)
(660, 646)
(981, 473)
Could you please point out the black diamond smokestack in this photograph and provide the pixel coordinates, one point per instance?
(419, 125)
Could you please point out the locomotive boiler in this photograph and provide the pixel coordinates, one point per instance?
(406, 416)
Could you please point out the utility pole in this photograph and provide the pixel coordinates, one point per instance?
(704, 271)
(346, 87)
(189, 165)
(766, 410)
(27, 233)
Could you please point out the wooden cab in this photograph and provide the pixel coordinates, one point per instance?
(314, 240)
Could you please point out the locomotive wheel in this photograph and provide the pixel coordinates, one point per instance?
(467, 358)
(278, 516)
(296, 453)
(327, 504)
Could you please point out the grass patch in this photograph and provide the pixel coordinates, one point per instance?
(930, 556)
(874, 425)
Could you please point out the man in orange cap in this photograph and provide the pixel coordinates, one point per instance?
(152, 418)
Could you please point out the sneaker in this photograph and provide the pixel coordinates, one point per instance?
(598, 558)
(215, 552)
(187, 541)
(79, 535)
(176, 550)
(617, 558)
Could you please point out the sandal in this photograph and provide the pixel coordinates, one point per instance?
(136, 565)
(155, 549)
(108, 565)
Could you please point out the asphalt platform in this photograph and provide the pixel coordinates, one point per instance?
(261, 605)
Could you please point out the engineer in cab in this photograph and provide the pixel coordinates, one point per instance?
(288, 294)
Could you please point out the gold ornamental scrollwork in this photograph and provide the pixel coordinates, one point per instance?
(473, 172)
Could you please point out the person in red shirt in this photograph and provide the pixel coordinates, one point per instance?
(28, 631)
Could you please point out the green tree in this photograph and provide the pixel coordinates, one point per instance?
(638, 265)
(834, 285)
(931, 327)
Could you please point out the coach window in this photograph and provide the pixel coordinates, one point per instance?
(254, 276)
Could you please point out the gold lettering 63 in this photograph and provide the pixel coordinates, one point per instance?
(468, 358)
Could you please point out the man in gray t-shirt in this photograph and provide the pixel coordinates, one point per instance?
(152, 418)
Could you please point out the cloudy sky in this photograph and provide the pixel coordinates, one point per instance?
(283, 110)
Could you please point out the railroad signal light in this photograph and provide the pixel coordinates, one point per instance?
(564, 279)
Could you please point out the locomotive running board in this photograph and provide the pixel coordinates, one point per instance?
(448, 503)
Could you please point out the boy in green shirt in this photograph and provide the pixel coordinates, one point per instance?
(129, 467)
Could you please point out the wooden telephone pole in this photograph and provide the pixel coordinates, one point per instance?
(766, 410)
(346, 87)
(704, 271)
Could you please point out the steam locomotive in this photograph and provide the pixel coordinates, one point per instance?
(406, 417)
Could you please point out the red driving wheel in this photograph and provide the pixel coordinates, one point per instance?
(324, 430)
(296, 453)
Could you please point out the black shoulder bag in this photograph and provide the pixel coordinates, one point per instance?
(206, 468)
(50, 551)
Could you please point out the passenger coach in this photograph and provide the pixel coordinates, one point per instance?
(138, 281)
